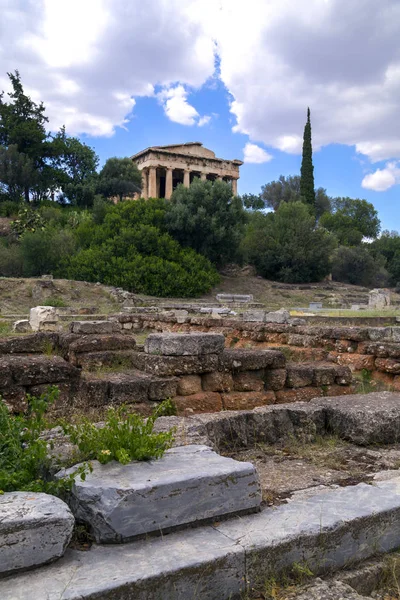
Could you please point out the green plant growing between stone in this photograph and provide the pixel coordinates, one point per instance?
(124, 437)
(24, 460)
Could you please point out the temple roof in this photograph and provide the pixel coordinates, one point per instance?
(186, 149)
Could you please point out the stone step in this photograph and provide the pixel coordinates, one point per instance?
(189, 484)
(326, 531)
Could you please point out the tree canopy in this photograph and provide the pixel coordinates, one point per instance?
(287, 189)
(307, 170)
(120, 177)
(351, 220)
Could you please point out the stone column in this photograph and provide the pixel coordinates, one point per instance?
(168, 183)
(145, 184)
(186, 178)
(203, 176)
(152, 182)
(220, 178)
(234, 187)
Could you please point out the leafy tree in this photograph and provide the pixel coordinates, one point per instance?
(357, 266)
(22, 124)
(17, 172)
(286, 245)
(388, 246)
(307, 169)
(119, 177)
(76, 164)
(208, 219)
(253, 201)
(351, 221)
(287, 189)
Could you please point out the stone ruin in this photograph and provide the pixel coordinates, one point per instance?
(379, 299)
(142, 515)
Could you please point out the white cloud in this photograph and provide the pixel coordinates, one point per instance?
(204, 120)
(255, 154)
(178, 109)
(382, 179)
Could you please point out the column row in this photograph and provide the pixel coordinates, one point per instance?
(160, 182)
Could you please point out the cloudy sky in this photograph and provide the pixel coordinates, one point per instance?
(237, 75)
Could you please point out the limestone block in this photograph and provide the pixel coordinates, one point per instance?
(275, 379)
(100, 342)
(388, 365)
(366, 419)
(40, 314)
(22, 326)
(34, 370)
(124, 388)
(248, 381)
(162, 388)
(188, 484)
(304, 394)
(254, 316)
(217, 382)
(189, 384)
(250, 360)
(279, 316)
(379, 299)
(34, 529)
(357, 362)
(184, 344)
(174, 365)
(326, 374)
(247, 400)
(202, 402)
(299, 375)
(94, 327)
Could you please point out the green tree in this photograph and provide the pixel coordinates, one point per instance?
(252, 201)
(388, 246)
(119, 177)
(286, 246)
(307, 170)
(357, 266)
(207, 218)
(17, 172)
(22, 124)
(287, 189)
(351, 221)
(76, 164)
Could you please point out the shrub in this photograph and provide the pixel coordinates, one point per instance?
(44, 251)
(24, 460)
(11, 261)
(8, 208)
(28, 220)
(124, 437)
(357, 266)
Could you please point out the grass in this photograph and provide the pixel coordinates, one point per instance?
(55, 302)
(278, 586)
(5, 328)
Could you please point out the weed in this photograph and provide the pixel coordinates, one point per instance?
(55, 302)
(48, 348)
(5, 328)
(124, 437)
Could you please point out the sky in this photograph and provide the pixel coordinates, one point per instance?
(236, 75)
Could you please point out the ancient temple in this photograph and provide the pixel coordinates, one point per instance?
(164, 167)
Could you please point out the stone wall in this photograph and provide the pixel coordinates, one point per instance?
(95, 371)
(375, 349)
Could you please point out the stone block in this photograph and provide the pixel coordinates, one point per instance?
(275, 379)
(93, 392)
(184, 344)
(379, 299)
(357, 362)
(326, 374)
(364, 418)
(343, 375)
(189, 384)
(187, 485)
(250, 360)
(339, 390)
(40, 314)
(299, 375)
(278, 316)
(162, 388)
(388, 365)
(35, 529)
(14, 397)
(247, 400)
(254, 316)
(107, 358)
(33, 370)
(218, 381)
(304, 394)
(22, 326)
(203, 402)
(376, 334)
(94, 327)
(395, 334)
(99, 343)
(124, 388)
(248, 381)
(174, 365)
(34, 343)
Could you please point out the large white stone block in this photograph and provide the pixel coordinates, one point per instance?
(34, 529)
(40, 315)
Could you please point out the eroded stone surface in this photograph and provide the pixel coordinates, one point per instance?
(189, 484)
(39, 315)
(34, 529)
(184, 344)
(95, 327)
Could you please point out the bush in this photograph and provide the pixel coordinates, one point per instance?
(43, 252)
(8, 208)
(28, 220)
(11, 261)
(287, 246)
(358, 267)
(24, 460)
(124, 437)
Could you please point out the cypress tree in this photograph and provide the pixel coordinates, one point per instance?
(307, 170)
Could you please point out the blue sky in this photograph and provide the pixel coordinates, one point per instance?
(235, 75)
